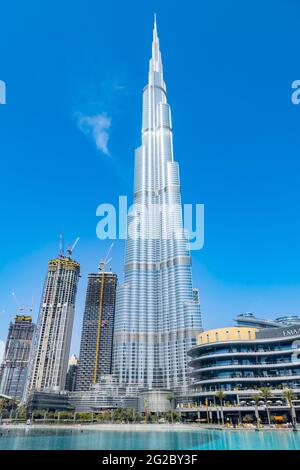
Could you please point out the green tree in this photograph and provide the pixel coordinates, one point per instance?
(172, 416)
(22, 412)
(39, 414)
(170, 398)
(153, 418)
(147, 413)
(2, 408)
(50, 415)
(106, 416)
(266, 394)
(248, 419)
(65, 415)
(256, 398)
(290, 396)
(99, 417)
(13, 405)
(138, 418)
(84, 416)
(123, 415)
(220, 395)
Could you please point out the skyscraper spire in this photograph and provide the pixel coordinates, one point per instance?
(155, 63)
(155, 27)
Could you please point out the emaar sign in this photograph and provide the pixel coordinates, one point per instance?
(2, 92)
(291, 332)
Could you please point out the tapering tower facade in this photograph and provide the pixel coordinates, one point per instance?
(157, 313)
(51, 346)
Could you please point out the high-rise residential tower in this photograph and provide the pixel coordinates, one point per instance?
(157, 311)
(14, 368)
(51, 347)
(72, 374)
(95, 358)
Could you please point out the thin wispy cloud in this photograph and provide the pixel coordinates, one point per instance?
(97, 128)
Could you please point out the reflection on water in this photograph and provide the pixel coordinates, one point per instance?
(64, 439)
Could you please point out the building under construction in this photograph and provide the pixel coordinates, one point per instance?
(51, 347)
(95, 358)
(13, 371)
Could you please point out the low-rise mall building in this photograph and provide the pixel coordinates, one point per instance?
(241, 360)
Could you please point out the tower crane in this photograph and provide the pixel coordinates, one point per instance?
(71, 248)
(102, 266)
(21, 307)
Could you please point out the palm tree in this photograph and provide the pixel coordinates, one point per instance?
(220, 395)
(22, 412)
(290, 396)
(2, 408)
(256, 398)
(12, 405)
(266, 393)
(170, 398)
(147, 415)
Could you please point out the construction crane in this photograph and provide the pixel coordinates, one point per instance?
(31, 306)
(71, 248)
(20, 307)
(102, 266)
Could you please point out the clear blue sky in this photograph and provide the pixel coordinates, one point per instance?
(228, 66)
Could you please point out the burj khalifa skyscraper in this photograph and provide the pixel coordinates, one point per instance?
(157, 310)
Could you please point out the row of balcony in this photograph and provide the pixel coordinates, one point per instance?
(238, 375)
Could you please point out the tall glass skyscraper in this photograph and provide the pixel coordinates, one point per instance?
(157, 310)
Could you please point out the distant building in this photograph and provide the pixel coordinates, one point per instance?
(249, 319)
(51, 348)
(48, 402)
(14, 368)
(107, 394)
(95, 358)
(72, 374)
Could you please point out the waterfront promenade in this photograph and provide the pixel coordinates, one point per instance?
(142, 427)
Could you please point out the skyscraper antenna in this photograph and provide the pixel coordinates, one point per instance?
(60, 244)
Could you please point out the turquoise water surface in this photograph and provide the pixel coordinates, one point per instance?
(64, 439)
